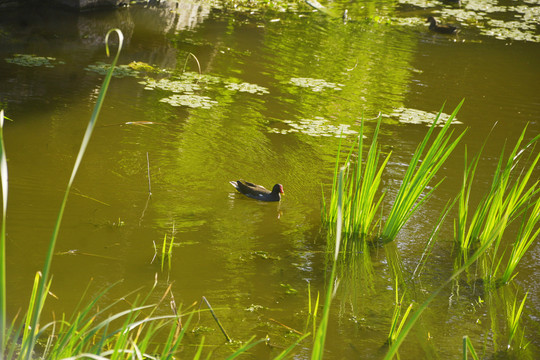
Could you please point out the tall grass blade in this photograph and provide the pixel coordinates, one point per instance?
(416, 315)
(514, 317)
(423, 167)
(468, 347)
(4, 180)
(41, 293)
(320, 334)
(526, 236)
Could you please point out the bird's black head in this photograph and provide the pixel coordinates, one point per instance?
(278, 188)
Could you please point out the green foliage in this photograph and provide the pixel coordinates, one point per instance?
(510, 195)
(468, 347)
(513, 318)
(360, 202)
(361, 186)
(395, 329)
(424, 165)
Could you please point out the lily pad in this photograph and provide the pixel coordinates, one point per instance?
(120, 71)
(177, 86)
(315, 127)
(196, 78)
(247, 87)
(31, 60)
(415, 116)
(190, 100)
(315, 84)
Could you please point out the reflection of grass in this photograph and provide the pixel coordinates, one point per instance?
(395, 329)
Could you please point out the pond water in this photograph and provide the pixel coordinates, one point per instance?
(276, 89)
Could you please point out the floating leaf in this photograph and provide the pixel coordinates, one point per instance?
(247, 87)
(177, 86)
(315, 127)
(415, 116)
(193, 101)
(315, 84)
(120, 71)
(33, 60)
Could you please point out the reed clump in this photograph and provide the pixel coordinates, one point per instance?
(361, 202)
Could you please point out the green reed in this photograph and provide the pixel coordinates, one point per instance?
(320, 334)
(77, 337)
(511, 194)
(395, 328)
(423, 167)
(4, 181)
(360, 188)
(41, 293)
(416, 315)
(468, 347)
(513, 317)
(361, 185)
(526, 236)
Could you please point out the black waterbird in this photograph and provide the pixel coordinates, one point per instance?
(441, 29)
(258, 192)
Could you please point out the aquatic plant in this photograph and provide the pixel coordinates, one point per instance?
(30, 60)
(176, 86)
(395, 329)
(247, 87)
(525, 237)
(394, 347)
(422, 168)
(508, 197)
(315, 84)
(119, 71)
(322, 328)
(318, 126)
(415, 116)
(4, 336)
(513, 317)
(361, 183)
(468, 347)
(192, 101)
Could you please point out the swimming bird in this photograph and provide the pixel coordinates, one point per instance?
(258, 192)
(442, 29)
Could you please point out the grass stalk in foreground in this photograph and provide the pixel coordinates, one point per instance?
(39, 294)
(425, 163)
(4, 180)
(416, 315)
(320, 335)
(468, 346)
